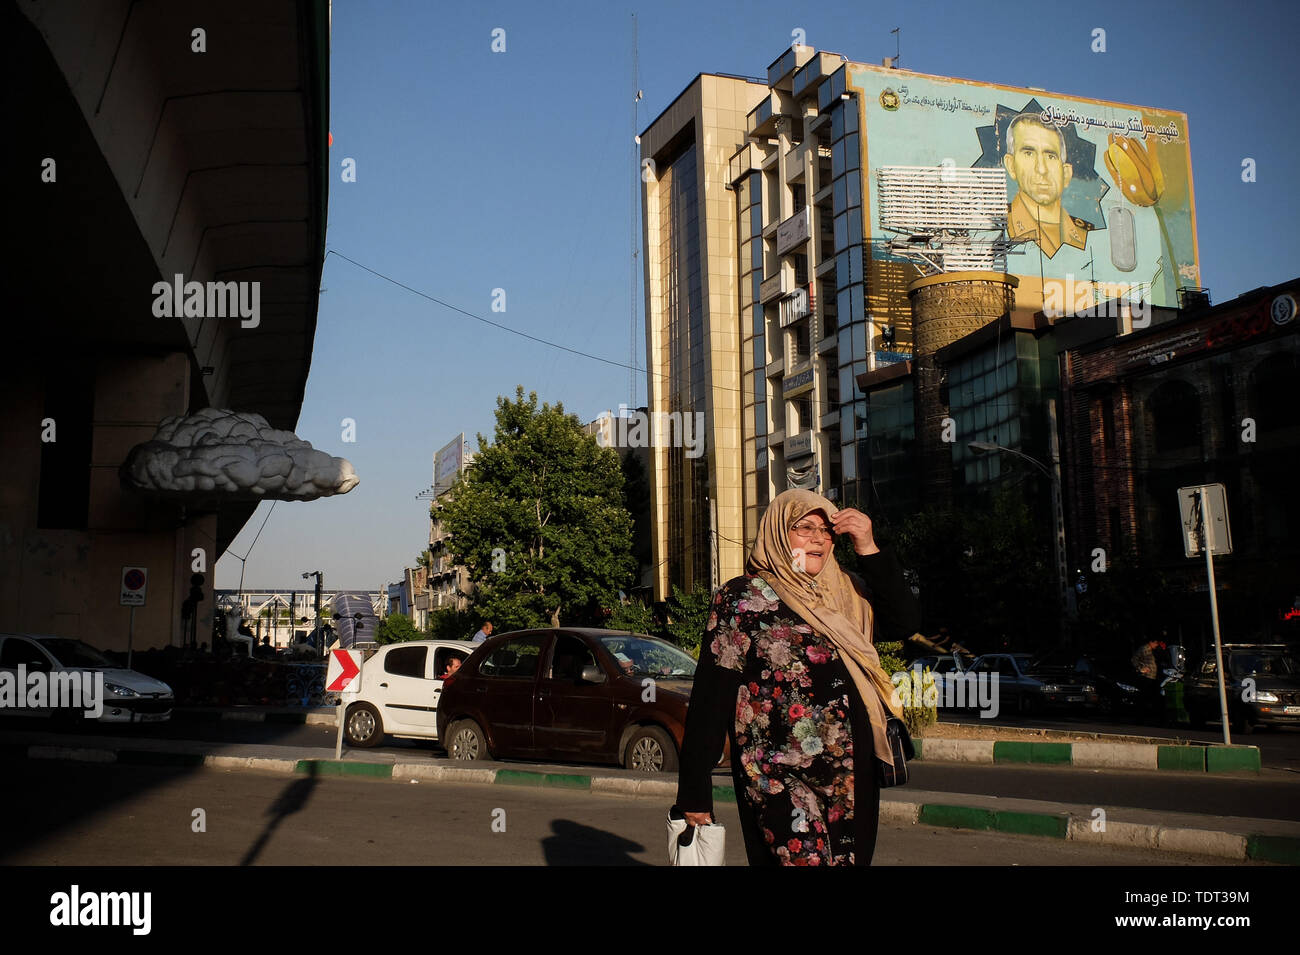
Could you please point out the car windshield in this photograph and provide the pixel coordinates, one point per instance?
(74, 653)
(1272, 664)
(641, 656)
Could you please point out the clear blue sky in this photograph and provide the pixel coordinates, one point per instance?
(479, 170)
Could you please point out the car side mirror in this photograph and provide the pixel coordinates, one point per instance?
(593, 674)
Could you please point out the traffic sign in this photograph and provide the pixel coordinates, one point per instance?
(1215, 520)
(343, 668)
(135, 581)
(1204, 510)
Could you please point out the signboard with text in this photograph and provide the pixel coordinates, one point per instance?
(1094, 188)
(1211, 526)
(135, 583)
(447, 464)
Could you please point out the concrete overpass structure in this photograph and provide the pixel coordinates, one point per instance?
(147, 140)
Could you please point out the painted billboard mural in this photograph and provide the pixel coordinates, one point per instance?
(1099, 194)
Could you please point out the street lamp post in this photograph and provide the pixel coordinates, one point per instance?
(320, 582)
(1058, 511)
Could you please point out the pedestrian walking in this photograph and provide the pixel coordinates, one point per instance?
(1147, 672)
(484, 632)
(789, 673)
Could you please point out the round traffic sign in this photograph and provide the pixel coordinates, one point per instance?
(133, 580)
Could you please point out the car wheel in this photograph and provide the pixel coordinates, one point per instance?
(466, 740)
(362, 727)
(650, 750)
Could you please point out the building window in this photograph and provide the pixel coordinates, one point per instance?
(803, 414)
(801, 350)
(1175, 417)
(1108, 422)
(1272, 390)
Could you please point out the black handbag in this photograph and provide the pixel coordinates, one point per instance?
(900, 746)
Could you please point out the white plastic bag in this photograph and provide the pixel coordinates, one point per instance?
(707, 845)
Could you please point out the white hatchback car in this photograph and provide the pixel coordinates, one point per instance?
(398, 689)
(129, 697)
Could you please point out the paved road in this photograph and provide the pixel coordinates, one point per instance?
(145, 816)
(1279, 748)
(1274, 794)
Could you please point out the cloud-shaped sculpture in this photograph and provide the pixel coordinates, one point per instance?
(233, 456)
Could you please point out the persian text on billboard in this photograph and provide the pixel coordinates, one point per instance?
(1096, 189)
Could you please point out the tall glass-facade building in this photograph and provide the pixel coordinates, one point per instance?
(692, 335)
(852, 222)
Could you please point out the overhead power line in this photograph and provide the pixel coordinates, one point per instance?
(479, 318)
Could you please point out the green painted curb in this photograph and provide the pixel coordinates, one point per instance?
(524, 777)
(330, 767)
(1284, 849)
(1232, 759)
(1186, 758)
(724, 794)
(144, 757)
(1032, 824)
(918, 744)
(956, 817)
(519, 777)
(1009, 751)
(1054, 753)
(1013, 751)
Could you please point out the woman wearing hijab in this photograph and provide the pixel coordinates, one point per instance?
(789, 672)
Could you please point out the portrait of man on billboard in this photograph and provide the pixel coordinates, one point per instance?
(1036, 159)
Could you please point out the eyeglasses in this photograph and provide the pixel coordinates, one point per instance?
(813, 531)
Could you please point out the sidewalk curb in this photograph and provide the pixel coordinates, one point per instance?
(896, 811)
(1195, 758)
(1187, 757)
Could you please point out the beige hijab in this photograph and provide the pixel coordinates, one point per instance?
(828, 602)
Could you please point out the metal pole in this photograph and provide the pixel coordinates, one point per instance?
(340, 714)
(1058, 518)
(130, 638)
(713, 544)
(1203, 516)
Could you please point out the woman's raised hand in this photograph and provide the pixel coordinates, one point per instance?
(857, 525)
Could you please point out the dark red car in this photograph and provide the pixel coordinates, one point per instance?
(572, 694)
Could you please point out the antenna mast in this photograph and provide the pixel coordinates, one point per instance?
(635, 231)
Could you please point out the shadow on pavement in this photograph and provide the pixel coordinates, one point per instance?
(293, 799)
(572, 843)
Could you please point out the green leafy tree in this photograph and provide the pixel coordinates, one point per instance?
(448, 623)
(540, 520)
(634, 616)
(396, 628)
(688, 612)
(985, 572)
(1128, 604)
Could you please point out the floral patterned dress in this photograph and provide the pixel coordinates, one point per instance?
(782, 694)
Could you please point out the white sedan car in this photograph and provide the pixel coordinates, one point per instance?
(128, 696)
(398, 689)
